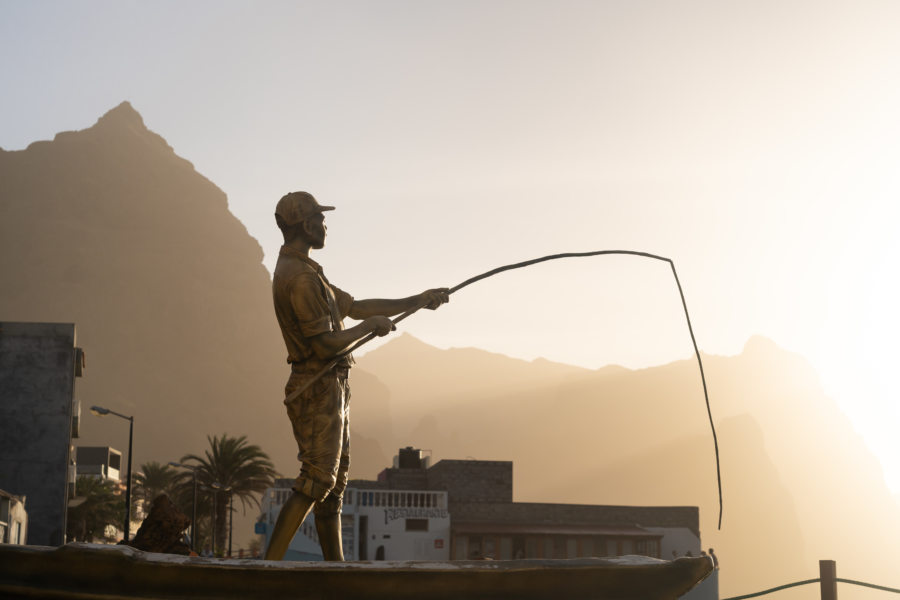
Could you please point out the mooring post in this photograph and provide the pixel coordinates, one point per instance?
(828, 579)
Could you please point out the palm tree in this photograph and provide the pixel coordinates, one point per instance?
(100, 508)
(155, 479)
(232, 467)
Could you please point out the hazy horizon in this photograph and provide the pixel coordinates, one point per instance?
(173, 306)
(754, 144)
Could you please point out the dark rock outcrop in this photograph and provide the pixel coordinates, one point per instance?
(162, 530)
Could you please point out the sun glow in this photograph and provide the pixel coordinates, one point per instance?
(858, 343)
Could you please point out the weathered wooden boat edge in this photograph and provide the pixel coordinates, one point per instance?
(78, 571)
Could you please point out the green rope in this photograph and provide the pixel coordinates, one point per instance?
(808, 581)
(774, 589)
(869, 585)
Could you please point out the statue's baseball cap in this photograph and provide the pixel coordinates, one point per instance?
(298, 206)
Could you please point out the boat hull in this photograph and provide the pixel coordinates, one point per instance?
(80, 571)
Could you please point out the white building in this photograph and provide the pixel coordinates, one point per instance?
(13, 519)
(99, 461)
(464, 510)
(396, 524)
(377, 524)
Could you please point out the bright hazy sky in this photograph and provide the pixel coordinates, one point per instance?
(755, 143)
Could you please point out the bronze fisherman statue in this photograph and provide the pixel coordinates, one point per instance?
(310, 312)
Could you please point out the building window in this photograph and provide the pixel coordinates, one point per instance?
(417, 524)
(506, 548)
(647, 548)
(490, 547)
(624, 546)
(474, 548)
(460, 548)
(518, 547)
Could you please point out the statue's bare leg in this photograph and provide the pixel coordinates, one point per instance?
(289, 520)
(329, 529)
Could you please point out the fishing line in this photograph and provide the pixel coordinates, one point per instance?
(296, 393)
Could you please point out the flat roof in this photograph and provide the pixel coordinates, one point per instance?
(567, 529)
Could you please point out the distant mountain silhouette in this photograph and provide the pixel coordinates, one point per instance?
(762, 541)
(447, 377)
(791, 461)
(110, 229)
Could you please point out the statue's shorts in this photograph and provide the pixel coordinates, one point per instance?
(320, 417)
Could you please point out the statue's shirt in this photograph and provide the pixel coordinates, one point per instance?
(306, 304)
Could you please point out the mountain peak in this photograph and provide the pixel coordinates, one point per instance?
(122, 115)
(123, 121)
(119, 126)
(759, 344)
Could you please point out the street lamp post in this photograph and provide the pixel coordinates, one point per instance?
(100, 411)
(193, 505)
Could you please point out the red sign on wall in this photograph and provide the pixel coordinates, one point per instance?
(438, 543)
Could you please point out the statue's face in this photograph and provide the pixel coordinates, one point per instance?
(314, 230)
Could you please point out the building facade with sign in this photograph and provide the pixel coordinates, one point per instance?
(396, 524)
(464, 510)
(376, 524)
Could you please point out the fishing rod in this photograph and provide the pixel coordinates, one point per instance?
(296, 393)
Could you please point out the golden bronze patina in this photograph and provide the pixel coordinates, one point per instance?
(310, 312)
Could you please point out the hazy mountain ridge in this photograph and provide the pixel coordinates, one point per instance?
(762, 523)
(791, 460)
(110, 229)
(446, 376)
